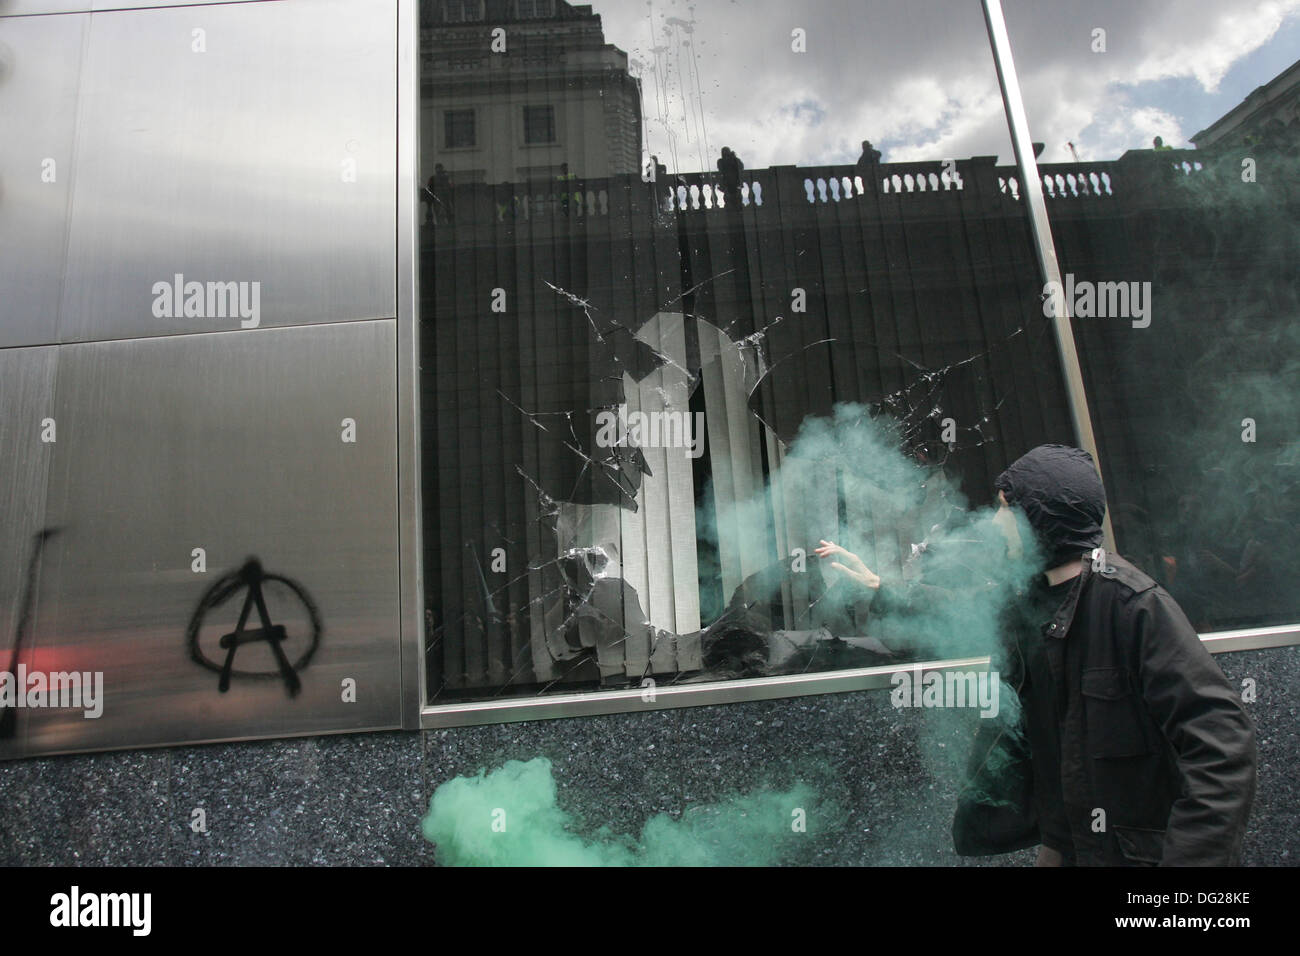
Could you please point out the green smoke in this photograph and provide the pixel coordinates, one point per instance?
(952, 586)
(510, 817)
(845, 478)
(1204, 454)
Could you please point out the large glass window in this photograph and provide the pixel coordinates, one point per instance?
(774, 286)
(1172, 184)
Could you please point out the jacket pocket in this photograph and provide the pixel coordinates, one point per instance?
(995, 807)
(1114, 719)
(1140, 845)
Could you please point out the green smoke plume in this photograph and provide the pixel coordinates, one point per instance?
(510, 817)
(947, 569)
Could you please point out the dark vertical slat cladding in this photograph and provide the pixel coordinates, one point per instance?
(511, 585)
(814, 365)
(809, 364)
(1025, 297)
(452, 302)
(849, 317)
(964, 314)
(438, 325)
(875, 292)
(981, 200)
(431, 489)
(493, 442)
(892, 273)
(785, 207)
(1034, 356)
(532, 326)
(474, 263)
(773, 252)
(942, 278)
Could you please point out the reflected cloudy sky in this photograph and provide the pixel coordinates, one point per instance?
(917, 78)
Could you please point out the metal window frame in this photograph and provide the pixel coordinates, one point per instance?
(416, 713)
(503, 711)
(410, 559)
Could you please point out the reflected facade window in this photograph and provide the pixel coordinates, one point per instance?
(458, 129)
(534, 9)
(462, 11)
(539, 125)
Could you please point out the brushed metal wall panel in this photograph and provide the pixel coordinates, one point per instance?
(133, 4)
(232, 443)
(408, 363)
(11, 8)
(26, 401)
(18, 8)
(234, 165)
(40, 60)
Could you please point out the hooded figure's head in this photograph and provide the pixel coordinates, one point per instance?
(1060, 492)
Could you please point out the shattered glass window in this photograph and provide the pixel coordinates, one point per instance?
(771, 286)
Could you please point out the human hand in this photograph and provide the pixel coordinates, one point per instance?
(853, 567)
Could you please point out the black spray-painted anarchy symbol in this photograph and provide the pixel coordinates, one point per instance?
(251, 578)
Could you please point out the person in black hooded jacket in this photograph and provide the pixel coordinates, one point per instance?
(1135, 748)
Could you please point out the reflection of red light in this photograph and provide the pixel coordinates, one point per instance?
(61, 657)
(52, 658)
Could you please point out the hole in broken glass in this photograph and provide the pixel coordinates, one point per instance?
(649, 568)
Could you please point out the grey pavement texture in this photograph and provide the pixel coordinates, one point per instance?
(357, 799)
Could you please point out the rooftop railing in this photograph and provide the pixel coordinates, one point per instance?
(886, 188)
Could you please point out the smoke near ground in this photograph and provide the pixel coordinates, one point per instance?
(948, 596)
(510, 816)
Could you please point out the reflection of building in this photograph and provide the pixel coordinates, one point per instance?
(513, 90)
(1270, 111)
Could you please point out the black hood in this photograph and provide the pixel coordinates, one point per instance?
(1060, 492)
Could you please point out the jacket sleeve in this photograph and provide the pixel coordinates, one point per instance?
(913, 598)
(1204, 720)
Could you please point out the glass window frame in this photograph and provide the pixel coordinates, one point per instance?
(417, 711)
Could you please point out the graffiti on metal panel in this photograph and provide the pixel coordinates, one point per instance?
(251, 580)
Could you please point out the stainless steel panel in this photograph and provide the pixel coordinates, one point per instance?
(10, 8)
(233, 165)
(408, 363)
(132, 4)
(40, 60)
(26, 401)
(16, 8)
(231, 443)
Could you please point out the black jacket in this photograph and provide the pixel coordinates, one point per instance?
(1152, 747)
